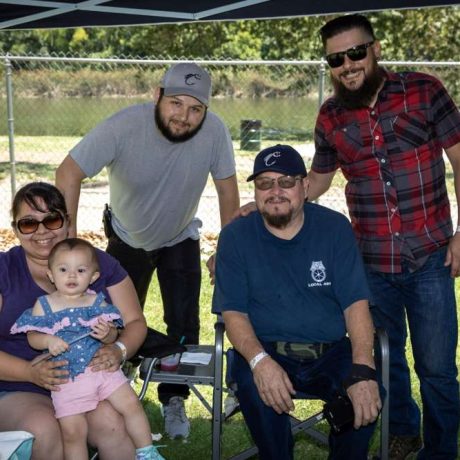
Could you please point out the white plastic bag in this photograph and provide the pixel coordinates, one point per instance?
(15, 445)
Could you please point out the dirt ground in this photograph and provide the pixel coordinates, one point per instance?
(208, 240)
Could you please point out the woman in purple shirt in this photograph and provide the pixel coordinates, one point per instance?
(40, 221)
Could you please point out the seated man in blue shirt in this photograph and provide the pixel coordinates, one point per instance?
(290, 284)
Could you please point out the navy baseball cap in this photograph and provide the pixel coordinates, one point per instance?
(281, 159)
(187, 79)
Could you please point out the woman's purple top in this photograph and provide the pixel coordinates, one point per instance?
(19, 292)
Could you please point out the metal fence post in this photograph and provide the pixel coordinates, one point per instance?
(9, 102)
(322, 76)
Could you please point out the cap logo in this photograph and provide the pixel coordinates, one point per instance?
(191, 77)
(270, 159)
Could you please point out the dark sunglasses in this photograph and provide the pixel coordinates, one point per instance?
(27, 225)
(355, 54)
(266, 183)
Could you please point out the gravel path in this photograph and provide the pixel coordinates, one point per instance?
(93, 198)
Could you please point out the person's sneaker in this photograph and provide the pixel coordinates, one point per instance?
(177, 424)
(148, 453)
(401, 446)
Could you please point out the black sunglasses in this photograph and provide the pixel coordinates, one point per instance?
(266, 183)
(355, 54)
(27, 225)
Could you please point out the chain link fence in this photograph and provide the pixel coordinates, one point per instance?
(50, 102)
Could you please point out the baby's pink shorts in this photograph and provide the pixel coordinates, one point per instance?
(85, 392)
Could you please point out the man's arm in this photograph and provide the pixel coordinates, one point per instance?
(273, 384)
(68, 180)
(318, 184)
(453, 251)
(229, 202)
(364, 394)
(229, 198)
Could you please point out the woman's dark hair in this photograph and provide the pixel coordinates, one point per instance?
(34, 192)
(343, 24)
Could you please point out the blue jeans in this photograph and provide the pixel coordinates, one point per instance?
(315, 379)
(427, 297)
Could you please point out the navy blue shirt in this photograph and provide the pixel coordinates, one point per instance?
(292, 290)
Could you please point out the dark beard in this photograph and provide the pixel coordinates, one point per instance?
(279, 221)
(363, 96)
(167, 132)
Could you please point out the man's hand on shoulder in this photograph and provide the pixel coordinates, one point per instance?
(366, 402)
(244, 210)
(274, 385)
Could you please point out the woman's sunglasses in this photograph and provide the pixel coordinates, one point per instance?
(355, 54)
(27, 225)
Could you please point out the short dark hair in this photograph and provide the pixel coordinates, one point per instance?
(74, 243)
(51, 196)
(345, 23)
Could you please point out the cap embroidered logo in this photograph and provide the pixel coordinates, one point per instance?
(270, 159)
(190, 77)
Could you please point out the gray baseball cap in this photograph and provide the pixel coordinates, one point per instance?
(187, 79)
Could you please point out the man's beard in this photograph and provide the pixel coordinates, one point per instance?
(164, 129)
(364, 95)
(279, 221)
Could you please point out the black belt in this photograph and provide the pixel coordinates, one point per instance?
(302, 350)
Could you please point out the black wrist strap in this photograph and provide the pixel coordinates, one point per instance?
(359, 373)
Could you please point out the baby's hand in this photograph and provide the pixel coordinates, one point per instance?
(104, 331)
(56, 345)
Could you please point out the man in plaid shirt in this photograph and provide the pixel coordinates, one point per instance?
(387, 132)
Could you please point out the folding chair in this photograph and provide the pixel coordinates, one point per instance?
(191, 375)
(308, 426)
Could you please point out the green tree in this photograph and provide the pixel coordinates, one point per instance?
(423, 34)
(419, 34)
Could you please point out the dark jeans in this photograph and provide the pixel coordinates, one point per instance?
(179, 275)
(317, 379)
(427, 298)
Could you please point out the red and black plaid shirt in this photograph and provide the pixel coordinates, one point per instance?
(391, 155)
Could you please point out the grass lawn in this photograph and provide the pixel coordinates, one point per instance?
(235, 436)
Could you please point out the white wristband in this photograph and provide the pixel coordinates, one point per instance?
(124, 351)
(458, 229)
(257, 358)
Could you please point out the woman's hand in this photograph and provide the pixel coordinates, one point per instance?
(47, 374)
(107, 358)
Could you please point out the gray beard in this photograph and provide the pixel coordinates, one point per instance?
(363, 96)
